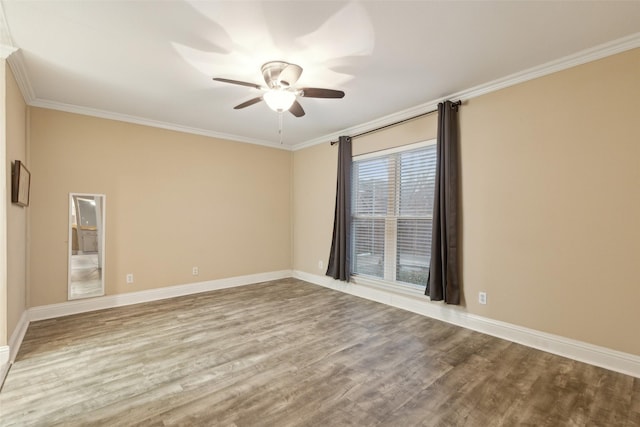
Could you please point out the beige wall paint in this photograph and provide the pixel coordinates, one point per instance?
(174, 201)
(3, 206)
(550, 178)
(16, 127)
(550, 202)
(549, 196)
(416, 130)
(314, 187)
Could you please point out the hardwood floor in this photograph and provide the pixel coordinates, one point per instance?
(288, 353)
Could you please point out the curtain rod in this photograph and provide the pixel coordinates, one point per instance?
(455, 104)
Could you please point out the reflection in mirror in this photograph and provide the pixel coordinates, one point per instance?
(86, 245)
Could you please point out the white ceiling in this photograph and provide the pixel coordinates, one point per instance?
(152, 62)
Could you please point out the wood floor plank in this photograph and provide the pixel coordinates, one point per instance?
(288, 353)
(634, 405)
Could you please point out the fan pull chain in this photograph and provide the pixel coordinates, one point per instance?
(280, 125)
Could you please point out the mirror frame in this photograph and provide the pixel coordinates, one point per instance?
(100, 223)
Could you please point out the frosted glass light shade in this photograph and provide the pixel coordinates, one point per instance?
(279, 100)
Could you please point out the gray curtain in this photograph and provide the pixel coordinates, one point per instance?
(443, 282)
(339, 266)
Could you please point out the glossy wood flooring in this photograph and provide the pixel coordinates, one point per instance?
(288, 353)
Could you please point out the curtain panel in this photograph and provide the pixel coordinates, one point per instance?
(339, 265)
(443, 281)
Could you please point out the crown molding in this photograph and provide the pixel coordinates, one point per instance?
(598, 52)
(93, 112)
(13, 55)
(579, 58)
(373, 124)
(16, 62)
(6, 51)
(7, 47)
(588, 55)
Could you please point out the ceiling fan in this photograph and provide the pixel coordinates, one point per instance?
(280, 93)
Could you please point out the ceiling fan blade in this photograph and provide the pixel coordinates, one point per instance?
(237, 82)
(296, 109)
(290, 75)
(314, 92)
(248, 103)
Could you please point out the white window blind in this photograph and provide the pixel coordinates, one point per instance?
(392, 207)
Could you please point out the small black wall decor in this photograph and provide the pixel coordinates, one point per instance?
(20, 184)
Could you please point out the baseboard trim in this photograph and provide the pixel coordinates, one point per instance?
(8, 352)
(4, 363)
(110, 301)
(618, 361)
(18, 335)
(4, 355)
(603, 357)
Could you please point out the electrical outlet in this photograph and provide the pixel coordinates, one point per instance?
(482, 297)
(320, 265)
(130, 278)
(195, 271)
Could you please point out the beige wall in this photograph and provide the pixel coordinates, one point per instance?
(314, 186)
(16, 127)
(550, 178)
(550, 170)
(550, 202)
(416, 130)
(3, 207)
(174, 201)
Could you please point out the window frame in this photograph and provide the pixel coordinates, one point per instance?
(391, 225)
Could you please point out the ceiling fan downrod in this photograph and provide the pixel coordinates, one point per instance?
(280, 121)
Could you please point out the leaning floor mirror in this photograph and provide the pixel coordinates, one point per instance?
(86, 245)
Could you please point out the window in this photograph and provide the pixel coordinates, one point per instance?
(392, 208)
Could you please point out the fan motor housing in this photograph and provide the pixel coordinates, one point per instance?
(275, 77)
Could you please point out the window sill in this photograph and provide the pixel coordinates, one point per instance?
(396, 288)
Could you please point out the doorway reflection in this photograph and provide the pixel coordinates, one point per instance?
(86, 248)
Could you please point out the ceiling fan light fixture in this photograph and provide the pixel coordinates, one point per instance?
(279, 100)
(280, 92)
